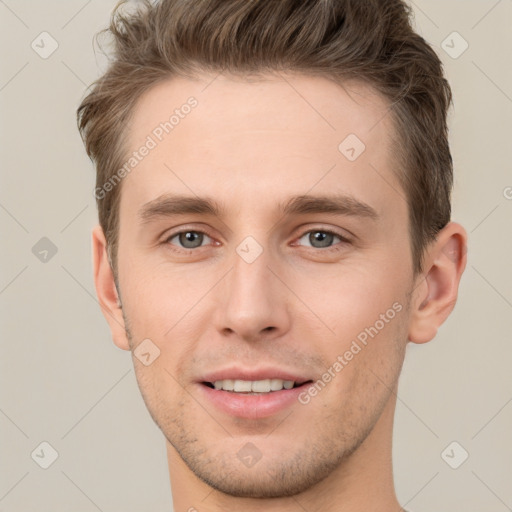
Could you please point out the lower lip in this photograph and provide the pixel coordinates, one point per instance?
(248, 406)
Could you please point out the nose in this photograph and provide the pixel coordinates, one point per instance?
(255, 303)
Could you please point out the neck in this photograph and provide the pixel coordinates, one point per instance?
(362, 483)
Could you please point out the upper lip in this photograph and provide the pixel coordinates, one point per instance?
(239, 373)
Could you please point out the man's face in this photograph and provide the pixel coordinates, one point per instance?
(259, 291)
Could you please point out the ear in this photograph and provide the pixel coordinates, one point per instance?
(106, 289)
(436, 288)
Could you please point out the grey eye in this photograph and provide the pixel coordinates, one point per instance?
(320, 239)
(189, 239)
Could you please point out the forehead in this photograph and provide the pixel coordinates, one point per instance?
(288, 102)
(222, 135)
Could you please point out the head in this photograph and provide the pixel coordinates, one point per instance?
(291, 120)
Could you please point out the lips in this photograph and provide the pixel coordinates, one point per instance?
(252, 394)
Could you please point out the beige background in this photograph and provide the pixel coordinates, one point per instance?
(64, 382)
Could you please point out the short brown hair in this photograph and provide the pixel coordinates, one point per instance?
(371, 41)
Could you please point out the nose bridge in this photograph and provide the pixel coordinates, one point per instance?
(250, 277)
(254, 301)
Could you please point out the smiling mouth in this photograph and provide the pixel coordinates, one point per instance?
(254, 387)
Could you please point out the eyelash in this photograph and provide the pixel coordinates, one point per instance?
(343, 240)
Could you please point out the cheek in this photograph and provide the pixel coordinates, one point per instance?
(156, 298)
(368, 314)
(363, 369)
(168, 311)
(349, 299)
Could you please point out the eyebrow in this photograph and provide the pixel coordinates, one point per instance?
(169, 205)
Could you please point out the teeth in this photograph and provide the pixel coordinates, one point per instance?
(253, 386)
(276, 384)
(242, 386)
(259, 386)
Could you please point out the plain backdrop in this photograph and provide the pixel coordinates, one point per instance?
(64, 383)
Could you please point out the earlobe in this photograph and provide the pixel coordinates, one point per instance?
(106, 289)
(436, 290)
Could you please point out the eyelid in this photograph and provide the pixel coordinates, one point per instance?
(343, 233)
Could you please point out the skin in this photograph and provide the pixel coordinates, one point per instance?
(251, 145)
